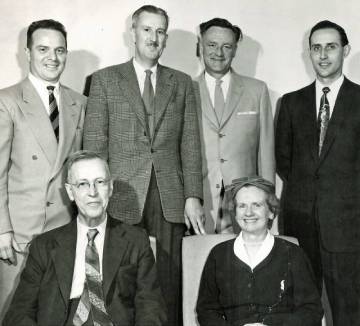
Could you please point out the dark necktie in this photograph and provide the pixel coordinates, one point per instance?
(219, 100)
(324, 117)
(92, 298)
(54, 111)
(148, 98)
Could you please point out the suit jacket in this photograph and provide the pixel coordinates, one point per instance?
(116, 126)
(32, 196)
(131, 293)
(330, 184)
(243, 143)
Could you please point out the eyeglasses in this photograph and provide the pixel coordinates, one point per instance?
(84, 185)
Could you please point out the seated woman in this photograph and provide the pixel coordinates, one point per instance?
(257, 279)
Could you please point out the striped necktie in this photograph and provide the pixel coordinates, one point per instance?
(324, 117)
(92, 298)
(54, 111)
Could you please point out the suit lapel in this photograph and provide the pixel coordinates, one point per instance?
(233, 98)
(343, 100)
(38, 119)
(68, 118)
(130, 88)
(207, 107)
(63, 257)
(163, 93)
(114, 250)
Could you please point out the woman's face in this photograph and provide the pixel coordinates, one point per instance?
(252, 211)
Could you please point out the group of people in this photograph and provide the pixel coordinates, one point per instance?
(163, 154)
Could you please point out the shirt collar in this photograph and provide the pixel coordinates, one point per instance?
(83, 229)
(42, 84)
(140, 70)
(334, 86)
(212, 80)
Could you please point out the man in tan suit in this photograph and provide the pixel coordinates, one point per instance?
(40, 125)
(236, 123)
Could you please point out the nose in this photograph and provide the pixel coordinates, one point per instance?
(92, 189)
(249, 211)
(153, 36)
(219, 51)
(53, 55)
(323, 53)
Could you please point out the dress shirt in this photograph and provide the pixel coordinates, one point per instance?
(264, 250)
(140, 74)
(211, 83)
(331, 96)
(40, 86)
(78, 280)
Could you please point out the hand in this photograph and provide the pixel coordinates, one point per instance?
(8, 246)
(194, 215)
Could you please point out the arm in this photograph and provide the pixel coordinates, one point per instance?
(191, 162)
(283, 140)
(149, 303)
(24, 306)
(266, 157)
(96, 119)
(208, 308)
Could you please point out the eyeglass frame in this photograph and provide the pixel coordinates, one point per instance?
(88, 184)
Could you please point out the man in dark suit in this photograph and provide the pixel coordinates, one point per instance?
(94, 270)
(41, 123)
(141, 117)
(318, 157)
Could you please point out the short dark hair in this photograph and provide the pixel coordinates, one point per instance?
(220, 22)
(45, 24)
(84, 155)
(151, 9)
(328, 24)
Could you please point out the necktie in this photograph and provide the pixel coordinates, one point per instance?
(324, 117)
(54, 111)
(219, 100)
(148, 98)
(92, 298)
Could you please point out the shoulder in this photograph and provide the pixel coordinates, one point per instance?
(223, 247)
(12, 92)
(179, 75)
(299, 93)
(291, 249)
(131, 233)
(113, 70)
(351, 85)
(76, 96)
(247, 81)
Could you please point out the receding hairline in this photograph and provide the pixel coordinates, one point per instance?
(86, 159)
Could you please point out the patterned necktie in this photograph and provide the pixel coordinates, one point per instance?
(92, 298)
(148, 98)
(324, 117)
(219, 100)
(54, 111)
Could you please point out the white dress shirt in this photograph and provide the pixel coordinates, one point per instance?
(78, 280)
(264, 250)
(40, 86)
(331, 96)
(141, 75)
(211, 83)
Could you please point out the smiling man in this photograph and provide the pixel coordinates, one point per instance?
(93, 271)
(318, 157)
(40, 125)
(141, 117)
(236, 123)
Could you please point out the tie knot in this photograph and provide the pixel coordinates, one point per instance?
(148, 72)
(92, 233)
(50, 89)
(326, 90)
(218, 82)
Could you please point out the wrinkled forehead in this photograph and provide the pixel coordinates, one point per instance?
(88, 169)
(325, 36)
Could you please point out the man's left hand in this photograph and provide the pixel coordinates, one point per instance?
(194, 215)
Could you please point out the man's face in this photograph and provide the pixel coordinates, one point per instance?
(149, 36)
(252, 211)
(47, 55)
(327, 54)
(89, 185)
(218, 48)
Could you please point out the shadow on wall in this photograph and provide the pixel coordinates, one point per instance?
(354, 67)
(20, 55)
(305, 55)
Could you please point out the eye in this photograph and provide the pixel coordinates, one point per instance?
(331, 47)
(100, 182)
(60, 51)
(315, 48)
(241, 206)
(146, 29)
(83, 185)
(257, 205)
(161, 32)
(42, 49)
(228, 47)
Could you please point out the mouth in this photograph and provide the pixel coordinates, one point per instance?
(250, 220)
(93, 203)
(324, 64)
(51, 66)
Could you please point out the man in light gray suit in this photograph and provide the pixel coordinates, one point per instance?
(40, 125)
(236, 123)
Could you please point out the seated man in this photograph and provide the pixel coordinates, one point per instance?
(94, 270)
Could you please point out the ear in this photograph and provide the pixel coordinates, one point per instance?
(234, 51)
(347, 49)
(111, 185)
(27, 53)
(133, 34)
(69, 191)
(271, 216)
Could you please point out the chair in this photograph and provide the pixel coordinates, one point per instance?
(195, 250)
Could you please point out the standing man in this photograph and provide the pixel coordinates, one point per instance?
(40, 125)
(236, 123)
(141, 116)
(318, 157)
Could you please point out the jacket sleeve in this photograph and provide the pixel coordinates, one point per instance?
(24, 306)
(283, 140)
(208, 308)
(96, 123)
(266, 157)
(191, 160)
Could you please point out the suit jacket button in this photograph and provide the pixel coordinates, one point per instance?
(152, 150)
(217, 185)
(34, 157)
(222, 160)
(221, 135)
(48, 203)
